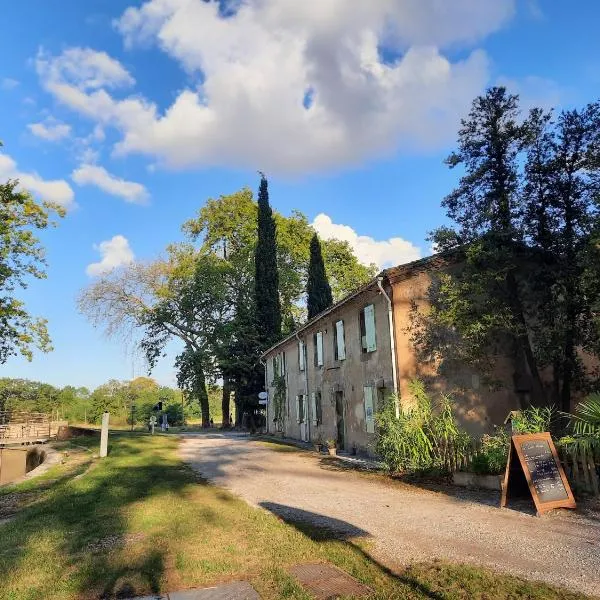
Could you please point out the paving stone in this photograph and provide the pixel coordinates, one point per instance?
(238, 590)
(325, 582)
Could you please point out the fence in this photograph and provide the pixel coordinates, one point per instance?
(581, 467)
(27, 426)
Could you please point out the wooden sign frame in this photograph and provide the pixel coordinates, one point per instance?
(515, 446)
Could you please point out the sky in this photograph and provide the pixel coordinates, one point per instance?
(132, 114)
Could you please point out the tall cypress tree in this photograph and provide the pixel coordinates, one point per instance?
(318, 288)
(266, 278)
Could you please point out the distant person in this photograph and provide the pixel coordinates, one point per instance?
(230, 420)
(212, 423)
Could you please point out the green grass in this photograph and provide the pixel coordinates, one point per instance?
(140, 521)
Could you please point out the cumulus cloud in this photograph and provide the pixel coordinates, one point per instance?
(57, 191)
(114, 253)
(383, 253)
(289, 87)
(50, 130)
(130, 191)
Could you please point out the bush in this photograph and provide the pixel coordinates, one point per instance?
(492, 457)
(422, 437)
(534, 420)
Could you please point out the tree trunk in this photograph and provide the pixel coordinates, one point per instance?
(225, 403)
(204, 406)
(538, 393)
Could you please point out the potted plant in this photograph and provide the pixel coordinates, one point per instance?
(331, 447)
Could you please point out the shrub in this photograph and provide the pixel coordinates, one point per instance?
(491, 458)
(422, 437)
(534, 420)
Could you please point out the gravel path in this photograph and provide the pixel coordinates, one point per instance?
(406, 523)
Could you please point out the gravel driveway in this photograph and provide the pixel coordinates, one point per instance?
(406, 523)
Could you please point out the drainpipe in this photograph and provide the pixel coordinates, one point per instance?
(308, 421)
(264, 364)
(392, 344)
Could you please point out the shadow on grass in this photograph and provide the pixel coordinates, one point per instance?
(321, 528)
(84, 520)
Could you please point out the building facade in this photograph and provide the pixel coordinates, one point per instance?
(327, 380)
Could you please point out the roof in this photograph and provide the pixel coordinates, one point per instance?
(392, 274)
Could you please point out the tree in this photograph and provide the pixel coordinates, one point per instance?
(21, 256)
(191, 378)
(562, 190)
(266, 274)
(318, 290)
(482, 303)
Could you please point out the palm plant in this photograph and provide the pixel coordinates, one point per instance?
(585, 426)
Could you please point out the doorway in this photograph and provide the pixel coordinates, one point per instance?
(339, 417)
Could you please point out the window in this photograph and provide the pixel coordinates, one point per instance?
(318, 348)
(316, 408)
(283, 365)
(339, 343)
(368, 394)
(301, 355)
(275, 367)
(368, 340)
(300, 408)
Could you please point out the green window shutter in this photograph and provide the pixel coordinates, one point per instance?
(297, 409)
(301, 355)
(320, 349)
(341, 342)
(370, 328)
(313, 408)
(369, 416)
(283, 365)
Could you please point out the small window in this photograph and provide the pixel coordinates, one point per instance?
(300, 408)
(368, 339)
(275, 367)
(318, 348)
(368, 392)
(283, 365)
(301, 363)
(316, 408)
(339, 343)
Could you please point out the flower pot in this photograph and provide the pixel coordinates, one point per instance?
(332, 451)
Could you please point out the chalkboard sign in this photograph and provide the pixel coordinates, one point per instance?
(533, 460)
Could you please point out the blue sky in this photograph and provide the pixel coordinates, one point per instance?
(133, 114)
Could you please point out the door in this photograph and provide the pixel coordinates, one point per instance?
(339, 414)
(302, 418)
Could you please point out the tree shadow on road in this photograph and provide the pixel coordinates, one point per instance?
(321, 528)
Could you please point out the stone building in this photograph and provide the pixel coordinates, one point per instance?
(338, 368)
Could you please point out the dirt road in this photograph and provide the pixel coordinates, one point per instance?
(406, 523)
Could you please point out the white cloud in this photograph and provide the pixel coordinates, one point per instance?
(51, 130)
(252, 72)
(115, 252)
(84, 68)
(8, 83)
(130, 191)
(383, 253)
(57, 191)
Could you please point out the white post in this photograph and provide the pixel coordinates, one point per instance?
(104, 436)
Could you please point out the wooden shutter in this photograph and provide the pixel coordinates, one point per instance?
(301, 355)
(313, 408)
(341, 343)
(320, 348)
(369, 416)
(370, 328)
(297, 409)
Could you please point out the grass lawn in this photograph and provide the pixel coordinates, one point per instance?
(140, 521)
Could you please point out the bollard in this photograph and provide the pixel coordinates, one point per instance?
(104, 436)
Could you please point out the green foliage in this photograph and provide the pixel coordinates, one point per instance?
(585, 426)
(534, 419)
(524, 279)
(266, 274)
(493, 454)
(422, 437)
(279, 397)
(318, 290)
(21, 256)
(191, 378)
